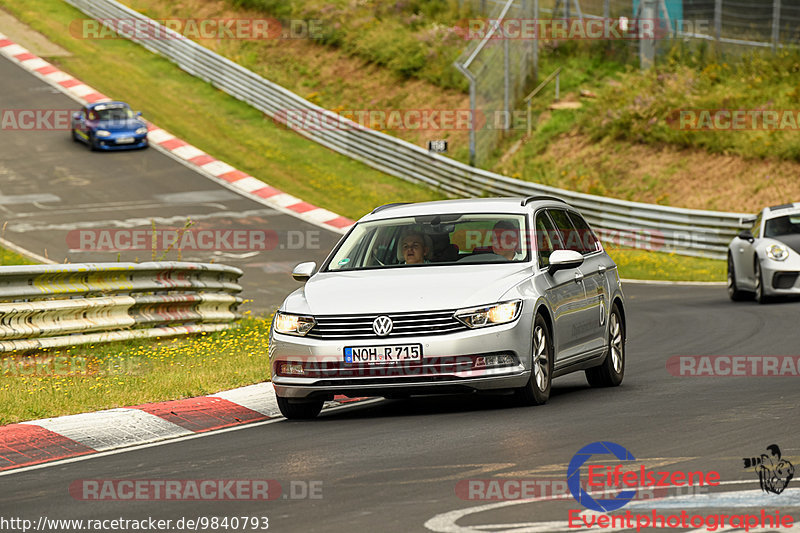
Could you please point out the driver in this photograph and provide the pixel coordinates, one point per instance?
(414, 248)
(505, 240)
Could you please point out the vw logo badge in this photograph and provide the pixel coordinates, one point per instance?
(382, 326)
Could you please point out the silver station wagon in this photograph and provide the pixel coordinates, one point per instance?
(500, 294)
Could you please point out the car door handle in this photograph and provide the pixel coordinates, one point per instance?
(578, 277)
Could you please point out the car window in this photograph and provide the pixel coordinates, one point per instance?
(569, 235)
(782, 226)
(547, 239)
(588, 240)
(433, 239)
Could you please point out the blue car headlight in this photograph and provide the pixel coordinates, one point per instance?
(102, 133)
(490, 315)
(141, 131)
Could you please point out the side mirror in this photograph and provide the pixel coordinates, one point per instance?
(745, 235)
(563, 260)
(76, 115)
(138, 113)
(303, 271)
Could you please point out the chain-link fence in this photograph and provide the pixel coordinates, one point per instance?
(500, 68)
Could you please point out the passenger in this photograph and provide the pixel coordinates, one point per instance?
(505, 240)
(415, 248)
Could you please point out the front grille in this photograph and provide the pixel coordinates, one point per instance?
(403, 325)
(784, 280)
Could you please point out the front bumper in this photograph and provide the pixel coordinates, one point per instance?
(448, 364)
(780, 282)
(111, 142)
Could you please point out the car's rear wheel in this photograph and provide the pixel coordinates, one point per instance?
(299, 409)
(733, 290)
(760, 296)
(537, 390)
(612, 369)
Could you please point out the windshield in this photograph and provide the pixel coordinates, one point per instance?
(781, 226)
(433, 240)
(118, 112)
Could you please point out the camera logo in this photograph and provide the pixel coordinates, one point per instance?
(774, 473)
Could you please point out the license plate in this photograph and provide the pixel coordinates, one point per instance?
(126, 140)
(398, 353)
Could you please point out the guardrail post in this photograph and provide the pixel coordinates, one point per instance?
(718, 22)
(647, 47)
(506, 84)
(606, 9)
(776, 24)
(536, 42)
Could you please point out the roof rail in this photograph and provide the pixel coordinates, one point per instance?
(782, 206)
(387, 206)
(536, 198)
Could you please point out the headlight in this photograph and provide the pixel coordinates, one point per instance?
(293, 324)
(479, 317)
(141, 131)
(103, 133)
(777, 252)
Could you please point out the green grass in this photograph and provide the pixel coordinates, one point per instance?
(647, 265)
(104, 376)
(215, 122)
(9, 257)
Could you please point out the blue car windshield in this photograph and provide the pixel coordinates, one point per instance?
(112, 113)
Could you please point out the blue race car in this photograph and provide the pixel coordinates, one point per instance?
(109, 126)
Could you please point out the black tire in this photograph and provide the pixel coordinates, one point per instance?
(92, 143)
(537, 390)
(75, 137)
(760, 296)
(299, 409)
(611, 371)
(733, 291)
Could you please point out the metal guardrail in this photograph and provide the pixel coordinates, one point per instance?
(47, 306)
(683, 231)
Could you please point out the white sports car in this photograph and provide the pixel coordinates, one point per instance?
(764, 261)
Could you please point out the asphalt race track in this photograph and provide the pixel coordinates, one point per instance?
(395, 465)
(50, 186)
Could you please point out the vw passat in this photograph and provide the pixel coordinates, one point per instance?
(764, 260)
(454, 296)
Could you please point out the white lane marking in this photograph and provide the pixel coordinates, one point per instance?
(188, 151)
(446, 522)
(197, 197)
(20, 227)
(35, 63)
(25, 252)
(259, 398)
(159, 136)
(170, 441)
(217, 168)
(249, 184)
(81, 90)
(13, 50)
(112, 428)
(284, 200)
(28, 198)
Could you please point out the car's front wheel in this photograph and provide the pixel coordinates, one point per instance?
(612, 370)
(537, 390)
(760, 296)
(75, 136)
(299, 409)
(733, 290)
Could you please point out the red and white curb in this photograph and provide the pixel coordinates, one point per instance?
(64, 437)
(180, 150)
